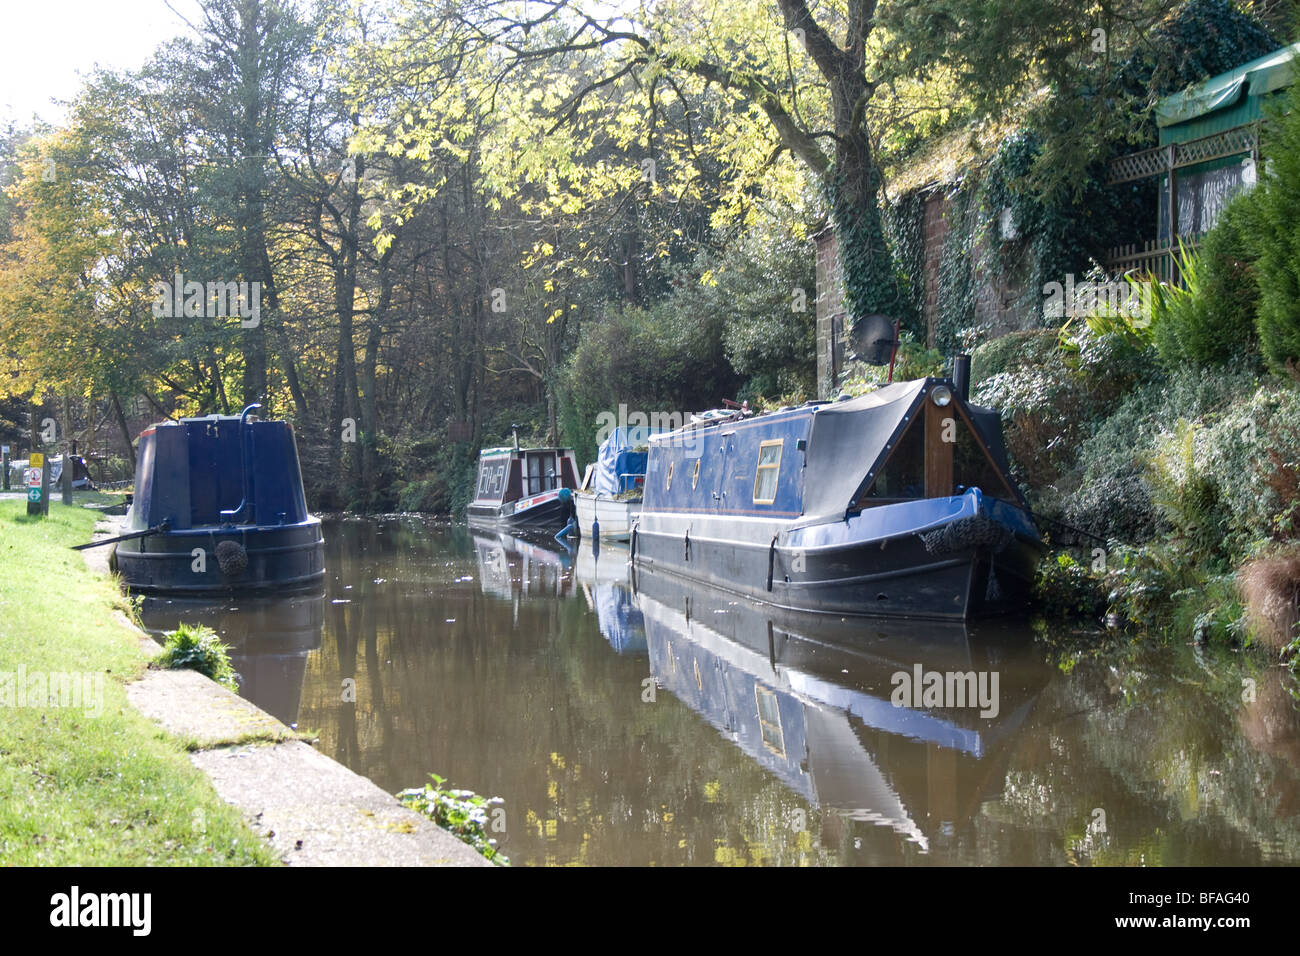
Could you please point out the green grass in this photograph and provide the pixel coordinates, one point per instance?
(78, 788)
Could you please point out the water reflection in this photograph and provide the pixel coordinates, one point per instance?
(602, 572)
(269, 640)
(811, 700)
(637, 720)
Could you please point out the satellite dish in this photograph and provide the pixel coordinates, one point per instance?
(873, 339)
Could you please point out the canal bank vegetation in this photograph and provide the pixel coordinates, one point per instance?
(460, 812)
(196, 647)
(84, 778)
(1181, 450)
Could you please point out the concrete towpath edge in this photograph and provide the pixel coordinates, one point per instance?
(313, 810)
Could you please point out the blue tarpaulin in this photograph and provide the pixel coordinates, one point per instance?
(618, 467)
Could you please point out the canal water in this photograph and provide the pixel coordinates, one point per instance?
(644, 720)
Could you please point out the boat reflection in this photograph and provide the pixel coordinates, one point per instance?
(602, 572)
(511, 567)
(269, 640)
(817, 700)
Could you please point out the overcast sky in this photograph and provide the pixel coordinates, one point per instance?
(49, 44)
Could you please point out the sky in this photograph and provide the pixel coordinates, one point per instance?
(48, 45)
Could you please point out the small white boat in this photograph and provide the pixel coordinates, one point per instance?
(609, 499)
(605, 517)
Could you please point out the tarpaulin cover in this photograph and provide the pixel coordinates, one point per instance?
(1260, 76)
(848, 439)
(616, 458)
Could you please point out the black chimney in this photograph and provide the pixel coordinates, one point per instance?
(961, 376)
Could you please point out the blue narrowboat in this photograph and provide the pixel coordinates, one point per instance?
(219, 507)
(896, 503)
(518, 489)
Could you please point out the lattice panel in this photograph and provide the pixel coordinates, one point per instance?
(1230, 142)
(1143, 165)
(1155, 162)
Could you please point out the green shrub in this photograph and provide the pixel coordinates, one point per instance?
(1110, 495)
(1109, 352)
(1211, 319)
(462, 813)
(1064, 588)
(1046, 413)
(1031, 348)
(1142, 583)
(198, 648)
(1272, 216)
(1187, 494)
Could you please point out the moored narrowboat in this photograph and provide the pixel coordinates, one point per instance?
(896, 503)
(518, 489)
(219, 507)
(610, 497)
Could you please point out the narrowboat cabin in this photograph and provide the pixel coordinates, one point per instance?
(610, 497)
(518, 489)
(219, 507)
(896, 503)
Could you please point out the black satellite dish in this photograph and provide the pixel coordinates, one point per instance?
(873, 339)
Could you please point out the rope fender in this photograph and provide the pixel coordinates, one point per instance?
(963, 534)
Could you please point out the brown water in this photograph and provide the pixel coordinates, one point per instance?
(669, 724)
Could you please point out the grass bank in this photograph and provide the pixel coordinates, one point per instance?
(84, 778)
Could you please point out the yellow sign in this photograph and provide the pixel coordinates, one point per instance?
(37, 459)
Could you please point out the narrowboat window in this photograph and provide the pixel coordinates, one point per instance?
(668, 486)
(498, 477)
(769, 719)
(972, 468)
(695, 475)
(902, 475)
(769, 469)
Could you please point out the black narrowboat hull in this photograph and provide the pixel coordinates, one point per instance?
(548, 515)
(897, 576)
(275, 558)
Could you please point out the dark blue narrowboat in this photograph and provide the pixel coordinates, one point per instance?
(518, 489)
(219, 507)
(896, 503)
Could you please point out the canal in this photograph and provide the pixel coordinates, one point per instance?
(648, 721)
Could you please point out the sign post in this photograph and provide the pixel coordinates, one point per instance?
(4, 467)
(37, 480)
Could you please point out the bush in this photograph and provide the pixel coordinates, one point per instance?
(1142, 583)
(1187, 494)
(1272, 215)
(1236, 474)
(198, 648)
(1111, 495)
(1031, 348)
(462, 813)
(1064, 588)
(1211, 320)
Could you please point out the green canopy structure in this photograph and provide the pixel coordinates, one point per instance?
(1225, 101)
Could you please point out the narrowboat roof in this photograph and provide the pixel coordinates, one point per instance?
(848, 442)
(508, 450)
